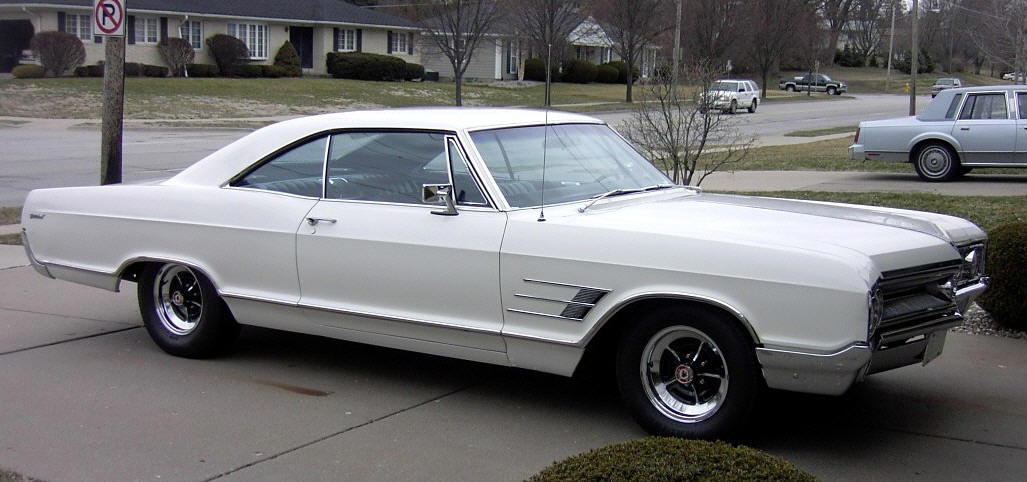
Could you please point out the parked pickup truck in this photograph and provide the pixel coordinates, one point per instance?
(820, 83)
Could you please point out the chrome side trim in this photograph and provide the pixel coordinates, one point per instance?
(547, 315)
(813, 372)
(362, 314)
(568, 285)
(566, 302)
(995, 164)
(36, 264)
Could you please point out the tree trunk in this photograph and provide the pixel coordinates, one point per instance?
(458, 77)
(113, 110)
(627, 91)
(764, 72)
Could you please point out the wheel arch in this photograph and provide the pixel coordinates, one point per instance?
(602, 339)
(934, 137)
(132, 268)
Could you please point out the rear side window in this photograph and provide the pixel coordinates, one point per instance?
(299, 171)
(985, 106)
(1021, 99)
(951, 113)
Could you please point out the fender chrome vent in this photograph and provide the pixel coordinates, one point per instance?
(575, 307)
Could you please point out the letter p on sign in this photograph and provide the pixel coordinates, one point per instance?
(109, 17)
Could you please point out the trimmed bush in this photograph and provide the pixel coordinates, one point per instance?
(364, 66)
(413, 71)
(28, 71)
(1006, 299)
(622, 71)
(579, 72)
(59, 52)
(665, 458)
(607, 74)
(288, 61)
(227, 51)
(133, 69)
(202, 70)
(276, 71)
(155, 70)
(535, 69)
(177, 53)
(248, 70)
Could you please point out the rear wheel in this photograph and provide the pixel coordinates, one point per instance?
(937, 162)
(183, 313)
(688, 372)
(752, 107)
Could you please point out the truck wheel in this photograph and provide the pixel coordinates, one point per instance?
(937, 162)
(752, 107)
(790, 88)
(183, 313)
(831, 90)
(688, 371)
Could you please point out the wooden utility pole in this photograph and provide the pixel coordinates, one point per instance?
(113, 110)
(677, 54)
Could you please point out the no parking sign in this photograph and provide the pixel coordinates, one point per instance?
(109, 17)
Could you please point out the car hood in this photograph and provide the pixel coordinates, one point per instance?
(892, 238)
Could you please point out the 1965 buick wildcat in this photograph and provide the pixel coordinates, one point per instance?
(423, 230)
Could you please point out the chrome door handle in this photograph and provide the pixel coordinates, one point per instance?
(315, 221)
(964, 128)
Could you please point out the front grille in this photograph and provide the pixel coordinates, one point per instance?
(916, 301)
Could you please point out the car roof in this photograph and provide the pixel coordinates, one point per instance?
(989, 88)
(237, 156)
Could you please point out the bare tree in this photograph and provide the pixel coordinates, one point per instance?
(1005, 40)
(545, 25)
(683, 135)
(772, 26)
(712, 27)
(866, 26)
(836, 13)
(177, 53)
(455, 28)
(633, 26)
(811, 42)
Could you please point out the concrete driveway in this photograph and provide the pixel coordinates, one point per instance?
(85, 395)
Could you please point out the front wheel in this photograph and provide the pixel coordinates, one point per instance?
(937, 162)
(183, 313)
(734, 107)
(789, 88)
(831, 91)
(688, 372)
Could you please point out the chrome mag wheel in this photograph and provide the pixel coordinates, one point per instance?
(178, 299)
(684, 374)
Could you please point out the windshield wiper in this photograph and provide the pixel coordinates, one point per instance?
(620, 191)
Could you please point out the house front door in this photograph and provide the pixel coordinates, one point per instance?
(302, 39)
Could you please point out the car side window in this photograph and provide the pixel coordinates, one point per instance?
(392, 167)
(299, 171)
(1021, 100)
(985, 106)
(951, 113)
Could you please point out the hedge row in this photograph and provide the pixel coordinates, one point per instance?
(365, 66)
(580, 71)
(28, 71)
(132, 69)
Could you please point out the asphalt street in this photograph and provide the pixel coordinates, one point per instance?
(85, 395)
(54, 153)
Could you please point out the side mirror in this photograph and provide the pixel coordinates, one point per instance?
(439, 193)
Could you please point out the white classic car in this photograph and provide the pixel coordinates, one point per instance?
(424, 230)
(959, 130)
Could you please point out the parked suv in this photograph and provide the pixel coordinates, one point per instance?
(728, 95)
(945, 83)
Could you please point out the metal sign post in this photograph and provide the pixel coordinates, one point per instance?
(109, 21)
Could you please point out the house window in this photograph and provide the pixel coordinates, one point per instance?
(79, 26)
(607, 54)
(147, 30)
(511, 57)
(253, 35)
(192, 32)
(346, 40)
(399, 42)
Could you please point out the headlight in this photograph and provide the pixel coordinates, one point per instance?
(973, 264)
(875, 303)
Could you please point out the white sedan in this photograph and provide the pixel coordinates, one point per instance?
(518, 238)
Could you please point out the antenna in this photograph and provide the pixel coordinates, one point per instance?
(545, 138)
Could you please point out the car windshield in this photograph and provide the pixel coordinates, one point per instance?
(581, 161)
(724, 86)
(944, 82)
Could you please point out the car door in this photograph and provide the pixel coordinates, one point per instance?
(1021, 127)
(985, 129)
(373, 258)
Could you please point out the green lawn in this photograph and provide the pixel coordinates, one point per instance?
(10, 215)
(821, 132)
(988, 212)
